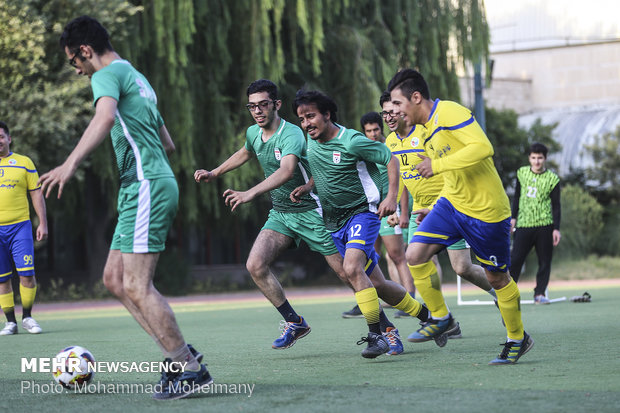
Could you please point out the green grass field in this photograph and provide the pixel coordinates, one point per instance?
(572, 367)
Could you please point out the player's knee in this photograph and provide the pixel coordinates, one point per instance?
(414, 258)
(256, 267)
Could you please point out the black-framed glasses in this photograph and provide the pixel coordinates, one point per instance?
(263, 105)
(386, 114)
(75, 56)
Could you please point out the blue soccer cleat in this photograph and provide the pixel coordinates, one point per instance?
(291, 332)
(513, 351)
(438, 330)
(393, 339)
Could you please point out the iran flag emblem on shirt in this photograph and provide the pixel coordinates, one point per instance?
(336, 157)
(277, 153)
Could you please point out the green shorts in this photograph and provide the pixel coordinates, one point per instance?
(146, 210)
(408, 234)
(386, 229)
(307, 226)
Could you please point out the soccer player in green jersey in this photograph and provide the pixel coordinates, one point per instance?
(280, 148)
(390, 236)
(536, 218)
(126, 108)
(18, 178)
(344, 170)
(472, 203)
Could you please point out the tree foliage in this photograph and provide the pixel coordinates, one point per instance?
(605, 152)
(511, 142)
(200, 55)
(582, 222)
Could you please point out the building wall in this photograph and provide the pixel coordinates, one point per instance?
(552, 78)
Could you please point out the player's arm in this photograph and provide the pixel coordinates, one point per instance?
(300, 191)
(284, 173)
(515, 206)
(388, 205)
(97, 130)
(403, 221)
(556, 211)
(166, 140)
(236, 160)
(38, 202)
(476, 147)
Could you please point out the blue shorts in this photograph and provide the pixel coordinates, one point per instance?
(16, 246)
(413, 227)
(489, 241)
(360, 232)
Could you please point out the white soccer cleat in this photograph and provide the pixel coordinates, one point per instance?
(30, 325)
(9, 329)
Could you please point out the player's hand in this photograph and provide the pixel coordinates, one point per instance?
(421, 213)
(57, 176)
(386, 208)
(556, 237)
(403, 221)
(513, 223)
(425, 167)
(298, 193)
(202, 175)
(393, 220)
(235, 198)
(41, 232)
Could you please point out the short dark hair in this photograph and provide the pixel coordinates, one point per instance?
(371, 117)
(85, 30)
(537, 147)
(263, 85)
(323, 103)
(5, 127)
(385, 97)
(409, 81)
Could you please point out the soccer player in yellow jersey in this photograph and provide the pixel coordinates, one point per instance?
(404, 142)
(18, 177)
(472, 204)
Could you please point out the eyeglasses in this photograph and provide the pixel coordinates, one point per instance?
(386, 114)
(263, 105)
(75, 56)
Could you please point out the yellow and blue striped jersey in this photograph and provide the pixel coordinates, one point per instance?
(462, 153)
(423, 191)
(18, 175)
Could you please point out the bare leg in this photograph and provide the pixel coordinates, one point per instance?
(267, 247)
(419, 253)
(138, 271)
(462, 265)
(435, 260)
(396, 250)
(113, 281)
(28, 282)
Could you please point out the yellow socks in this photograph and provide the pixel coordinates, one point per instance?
(409, 305)
(427, 283)
(368, 301)
(27, 295)
(509, 302)
(7, 302)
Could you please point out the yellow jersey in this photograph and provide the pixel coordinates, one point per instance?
(462, 154)
(423, 191)
(18, 175)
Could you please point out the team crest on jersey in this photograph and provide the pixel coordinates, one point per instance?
(336, 157)
(415, 142)
(278, 154)
(12, 162)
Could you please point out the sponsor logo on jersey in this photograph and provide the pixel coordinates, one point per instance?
(336, 157)
(278, 154)
(12, 162)
(415, 141)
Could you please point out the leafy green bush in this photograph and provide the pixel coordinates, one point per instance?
(582, 222)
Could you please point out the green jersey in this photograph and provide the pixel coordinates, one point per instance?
(139, 152)
(535, 197)
(346, 175)
(288, 140)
